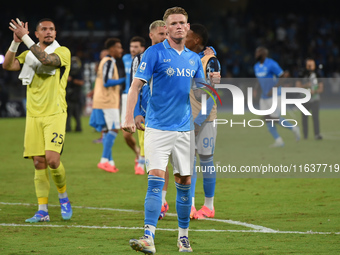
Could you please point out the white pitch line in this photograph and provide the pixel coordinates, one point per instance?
(167, 229)
(232, 222)
(78, 207)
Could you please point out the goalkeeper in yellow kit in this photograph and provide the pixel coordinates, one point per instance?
(45, 70)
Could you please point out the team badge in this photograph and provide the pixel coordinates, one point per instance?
(156, 190)
(192, 62)
(184, 199)
(170, 71)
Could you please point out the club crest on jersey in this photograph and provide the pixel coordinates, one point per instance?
(170, 71)
(192, 62)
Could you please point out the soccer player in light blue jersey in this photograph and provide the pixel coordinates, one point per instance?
(137, 46)
(268, 73)
(169, 129)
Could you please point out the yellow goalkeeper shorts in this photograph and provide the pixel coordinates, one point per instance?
(44, 133)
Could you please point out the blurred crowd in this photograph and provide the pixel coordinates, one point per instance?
(291, 37)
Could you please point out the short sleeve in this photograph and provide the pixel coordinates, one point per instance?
(199, 78)
(64, 54)
(276, 69)
(134, 66)
(147, 64)
(22, 57)
(108, 69)
(199, 73)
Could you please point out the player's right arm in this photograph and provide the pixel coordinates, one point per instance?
(129, 124)
(10, 62)
(139, 119)
(20, 30)
(144, 73)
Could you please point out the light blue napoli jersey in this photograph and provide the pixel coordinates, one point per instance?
(267, 75)
(127, 59)
(172, 77)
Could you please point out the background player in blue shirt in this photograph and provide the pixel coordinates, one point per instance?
(137, 46)
(168, 124)
(205, 130)
(268, 73)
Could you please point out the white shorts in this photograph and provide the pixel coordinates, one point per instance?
(266, 104)
(123, 108)
(206, 138)
(159, 145)
(111, 117)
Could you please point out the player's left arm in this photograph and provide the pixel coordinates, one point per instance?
(282, 75)
(113, 82)
(45, 58)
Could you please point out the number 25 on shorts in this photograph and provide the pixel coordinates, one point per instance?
(57, 138)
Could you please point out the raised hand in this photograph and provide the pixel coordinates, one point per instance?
(19, 29)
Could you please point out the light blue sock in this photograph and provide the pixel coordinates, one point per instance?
(153, 201)
(272, 129)
(183, 205)
(110, 156)
(193, 179)
(141, 160)
(108, 141)
(209, 177)
(287, 124)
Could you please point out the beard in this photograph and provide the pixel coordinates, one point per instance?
(47, 43)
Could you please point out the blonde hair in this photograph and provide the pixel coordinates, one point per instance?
(155, 24)
(174, 10)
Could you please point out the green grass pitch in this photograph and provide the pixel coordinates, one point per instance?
(296, 215)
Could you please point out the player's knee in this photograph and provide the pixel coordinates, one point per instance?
(53, 162)
(206, 157)
(39, 163)
(115, 130)
(52, 159)
(157, 173)
(184, 180)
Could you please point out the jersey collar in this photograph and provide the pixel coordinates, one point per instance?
(167, 45)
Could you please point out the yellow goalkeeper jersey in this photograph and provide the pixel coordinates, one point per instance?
(46, 93)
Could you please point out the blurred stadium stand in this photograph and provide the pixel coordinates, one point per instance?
(292, 31)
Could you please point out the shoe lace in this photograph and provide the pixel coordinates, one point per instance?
(144, 237)
(185, 242)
